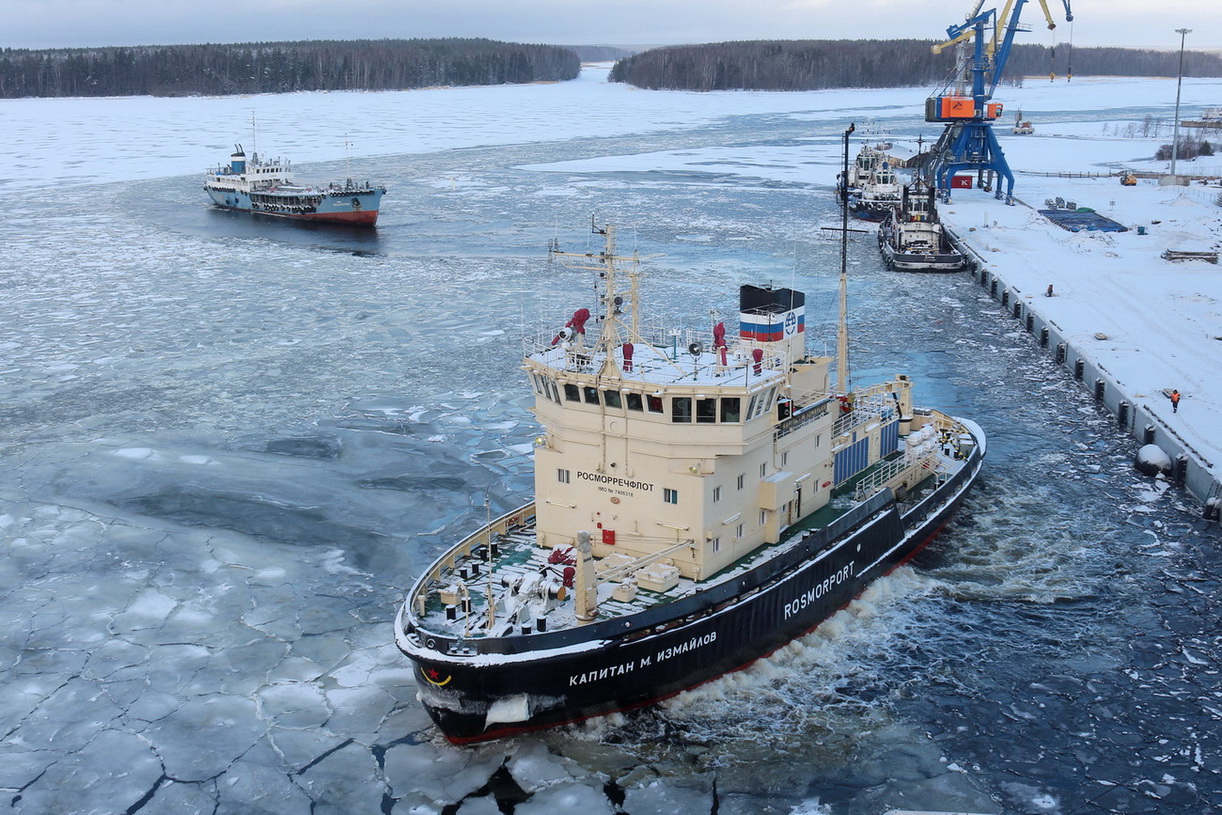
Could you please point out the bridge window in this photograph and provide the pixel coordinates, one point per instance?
(731, 409)
(611, 399)
(571, 394)
(706, 411)
(655, 404)
(635, 402)
(591, 395)
(681, 409)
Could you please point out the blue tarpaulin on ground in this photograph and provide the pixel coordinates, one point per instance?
(1077, 220)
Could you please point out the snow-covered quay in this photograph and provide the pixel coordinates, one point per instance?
(1135, 323)
(1132, 320)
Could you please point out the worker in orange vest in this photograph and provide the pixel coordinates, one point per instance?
(1175, 401)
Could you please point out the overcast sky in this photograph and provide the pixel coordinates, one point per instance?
(77, 23)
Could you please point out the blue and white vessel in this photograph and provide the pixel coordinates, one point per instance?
(268, 188)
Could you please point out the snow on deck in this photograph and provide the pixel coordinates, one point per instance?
(655, 365)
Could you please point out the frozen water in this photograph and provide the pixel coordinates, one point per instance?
(229, 446)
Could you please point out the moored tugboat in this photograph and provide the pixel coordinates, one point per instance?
(850, 181)
(880, 192)
(700, 500)
(249, 184)
(912, 238)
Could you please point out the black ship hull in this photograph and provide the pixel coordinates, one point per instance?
(921, 261)
(488, 696)
(871, 212)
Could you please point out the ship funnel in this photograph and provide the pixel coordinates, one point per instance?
(773, 317)
(237, 161)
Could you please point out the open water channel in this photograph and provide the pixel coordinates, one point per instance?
(229, 446)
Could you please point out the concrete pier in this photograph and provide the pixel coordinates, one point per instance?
(1127, 323)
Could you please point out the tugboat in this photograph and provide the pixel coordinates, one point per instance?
(268, 188)
(912, 239)
(879, 193)
(700, 500)
(850, 182)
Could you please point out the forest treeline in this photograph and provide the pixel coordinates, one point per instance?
(798, 65)
(369, 65)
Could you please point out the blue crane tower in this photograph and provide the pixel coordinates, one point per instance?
(968, 142)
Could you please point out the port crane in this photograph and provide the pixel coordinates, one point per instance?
(968, 142)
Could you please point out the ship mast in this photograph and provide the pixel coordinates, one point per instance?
(842, 332)
(613, 332)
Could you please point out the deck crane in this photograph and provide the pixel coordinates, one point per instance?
(968, 142)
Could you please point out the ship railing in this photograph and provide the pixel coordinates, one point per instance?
(667, 355)
(889, 473)
(866, 407)
(515, 520)
(350, 187)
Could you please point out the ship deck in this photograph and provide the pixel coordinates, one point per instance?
(520, 558)
(444, 609)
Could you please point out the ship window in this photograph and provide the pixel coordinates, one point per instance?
(571, 393)
(635, 402)
(716, 545)
(763, 470)
(611, 399)
(555, 393)
(562, 476)
(757, 405)
(716, 494)
(539, 387)
(738, 533)
(591, 395)
(706, 410)
(785, 458)
(731, 407)
(763, 517)
(670, 496)
(742, 477)
(681, 409)
(655, 404)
